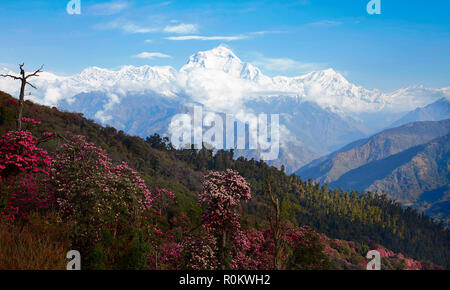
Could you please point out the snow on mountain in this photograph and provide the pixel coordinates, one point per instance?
(329, 89)
(52, 89)
(318, 111)
(224, 60)
(417, 96)
(219, 79)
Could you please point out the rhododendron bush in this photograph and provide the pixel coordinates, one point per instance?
(92, 194)
(103, 204)
(200, 252)
(165, 252)
(222, 238)
(19, 154)
(308, 250)
(26, 195)
(252, 250)
(22, 167)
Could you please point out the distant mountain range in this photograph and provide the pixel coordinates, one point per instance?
(319, 112)
(436, 111)
(410, 163)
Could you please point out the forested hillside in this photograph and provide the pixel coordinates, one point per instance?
(418, 176)
(379, 146)
(409, 163)
(366, 219)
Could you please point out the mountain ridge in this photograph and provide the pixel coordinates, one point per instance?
(405, 162)
(168, 80)
(133, 99)
(436, 111)
(413, 134)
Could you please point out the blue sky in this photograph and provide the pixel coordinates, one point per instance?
(408, 44)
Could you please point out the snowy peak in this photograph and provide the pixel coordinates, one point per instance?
(222, 59)
(132, 73)
(219, 58)
(217, 74)
(327, 76)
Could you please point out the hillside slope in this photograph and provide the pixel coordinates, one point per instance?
(377, 147)
(405, 163)
(436, 111)
(417, 176)
(366, 219)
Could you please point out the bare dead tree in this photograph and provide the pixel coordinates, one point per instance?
(24, 82)
(277, 231)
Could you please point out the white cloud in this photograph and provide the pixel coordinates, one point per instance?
(133, 28)
(151, 55)
(110, 8)
(286, 65)
(103, 115)
(323, 23)
(264, 32)
(181, 28)
(127, 27)
(199, 37)
(147, 40)
(224, 38)
(221, 89)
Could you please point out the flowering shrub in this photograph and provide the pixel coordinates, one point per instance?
(47, 134)
(26, 195)
(308, 249)
(221, 196)
(31, 121)
(92, 194)
(222, 193)
(165, 252)
(21, 165)
(107, 211)
(19, 154)
(200, 253)
(252, 250)
(167, 257)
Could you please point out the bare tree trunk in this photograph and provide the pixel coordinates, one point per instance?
(23, 78)
(276, 229)
(21, 101)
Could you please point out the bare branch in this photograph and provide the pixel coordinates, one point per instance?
(31, 85)
(23, 78)
(22, 71)
(35, 74)
(11, 76)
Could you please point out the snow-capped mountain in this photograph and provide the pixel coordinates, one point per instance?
(224, 60)
(312, 107)
(217, 74)
(52, 89)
